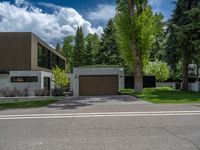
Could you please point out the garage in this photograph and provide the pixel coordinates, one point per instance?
(96, 81)
(95, 85)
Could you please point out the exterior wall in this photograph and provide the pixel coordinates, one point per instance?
(15, 51)
(5, 81)
(95, 71)
(30, 86)
(193, 86)
(18, 51)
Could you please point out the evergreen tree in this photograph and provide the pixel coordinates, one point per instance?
(94, 40)
(108, 53)
(58, 47)
(79, 48)
(184, 31)
(88, 57)
(67, 52)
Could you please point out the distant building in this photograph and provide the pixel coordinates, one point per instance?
(26, 62)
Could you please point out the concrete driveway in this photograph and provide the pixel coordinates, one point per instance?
(102, 123)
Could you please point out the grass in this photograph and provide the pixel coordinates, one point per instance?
(26, 104)
(167, 95)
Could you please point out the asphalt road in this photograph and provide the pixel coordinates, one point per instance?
(102, 124)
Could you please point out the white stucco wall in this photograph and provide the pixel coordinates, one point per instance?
(193, 86)
(95, 71)
(5, 80)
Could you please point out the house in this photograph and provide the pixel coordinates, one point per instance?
(26, 62)
(96, 81)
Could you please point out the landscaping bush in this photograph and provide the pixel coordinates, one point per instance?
(59, 92)
(42, 92)
(126, 91)
(14, 92)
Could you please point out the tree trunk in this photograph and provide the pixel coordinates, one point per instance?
(138, 77)
(198, 77)
(185, 76)
(138, 83)
(138, 87)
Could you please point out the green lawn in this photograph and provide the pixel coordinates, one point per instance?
(26, 104)
(167, 95)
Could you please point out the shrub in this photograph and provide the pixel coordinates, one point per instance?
(14, 92)
(42, 92)
(126, 91)
(60, 77)
(158, 69)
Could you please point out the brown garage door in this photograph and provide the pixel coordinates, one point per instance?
(98, 85)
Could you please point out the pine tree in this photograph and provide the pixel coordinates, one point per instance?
(184, 31)
(94, 40)
(79, 48)
(108, 53)
(88, 57)
(58, 47)
(67, 52)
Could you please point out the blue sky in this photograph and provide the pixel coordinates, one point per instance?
(52, 20)
(84, 7)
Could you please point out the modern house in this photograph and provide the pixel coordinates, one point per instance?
(26, 62)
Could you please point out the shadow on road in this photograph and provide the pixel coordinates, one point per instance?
(76, 102)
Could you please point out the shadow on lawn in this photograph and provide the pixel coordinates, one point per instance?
(76, 102)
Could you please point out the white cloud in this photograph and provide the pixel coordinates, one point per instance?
(51, 27)
(102, 13)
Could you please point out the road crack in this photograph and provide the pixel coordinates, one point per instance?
(181, 138)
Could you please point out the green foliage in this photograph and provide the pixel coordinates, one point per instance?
(108, 49)
(184, 41)
(88, 57)
(94, 41)
(58, 47)
(67, 52)
(59, 77)
(143, 26)
(157, 50)
(126, 91)
(79, 48)
(158, 69)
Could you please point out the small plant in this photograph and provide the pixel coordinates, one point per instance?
(60, 77)
(126, 91)
(42, 92)
(14, 92)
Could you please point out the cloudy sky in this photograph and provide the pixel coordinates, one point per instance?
(52, 20)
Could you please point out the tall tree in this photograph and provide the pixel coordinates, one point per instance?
(108, 53)
(185, 28)
(136, 28)
(88, 57)
(67, 51)
(94, 40)
(58, 47)
(79, 48)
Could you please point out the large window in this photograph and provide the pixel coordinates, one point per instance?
(24, 79)
(49, 60)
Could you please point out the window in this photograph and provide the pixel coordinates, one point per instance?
(49, 60)
(24, 79)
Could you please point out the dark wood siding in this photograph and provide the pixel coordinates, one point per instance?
(15, 51)
(98, 85)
